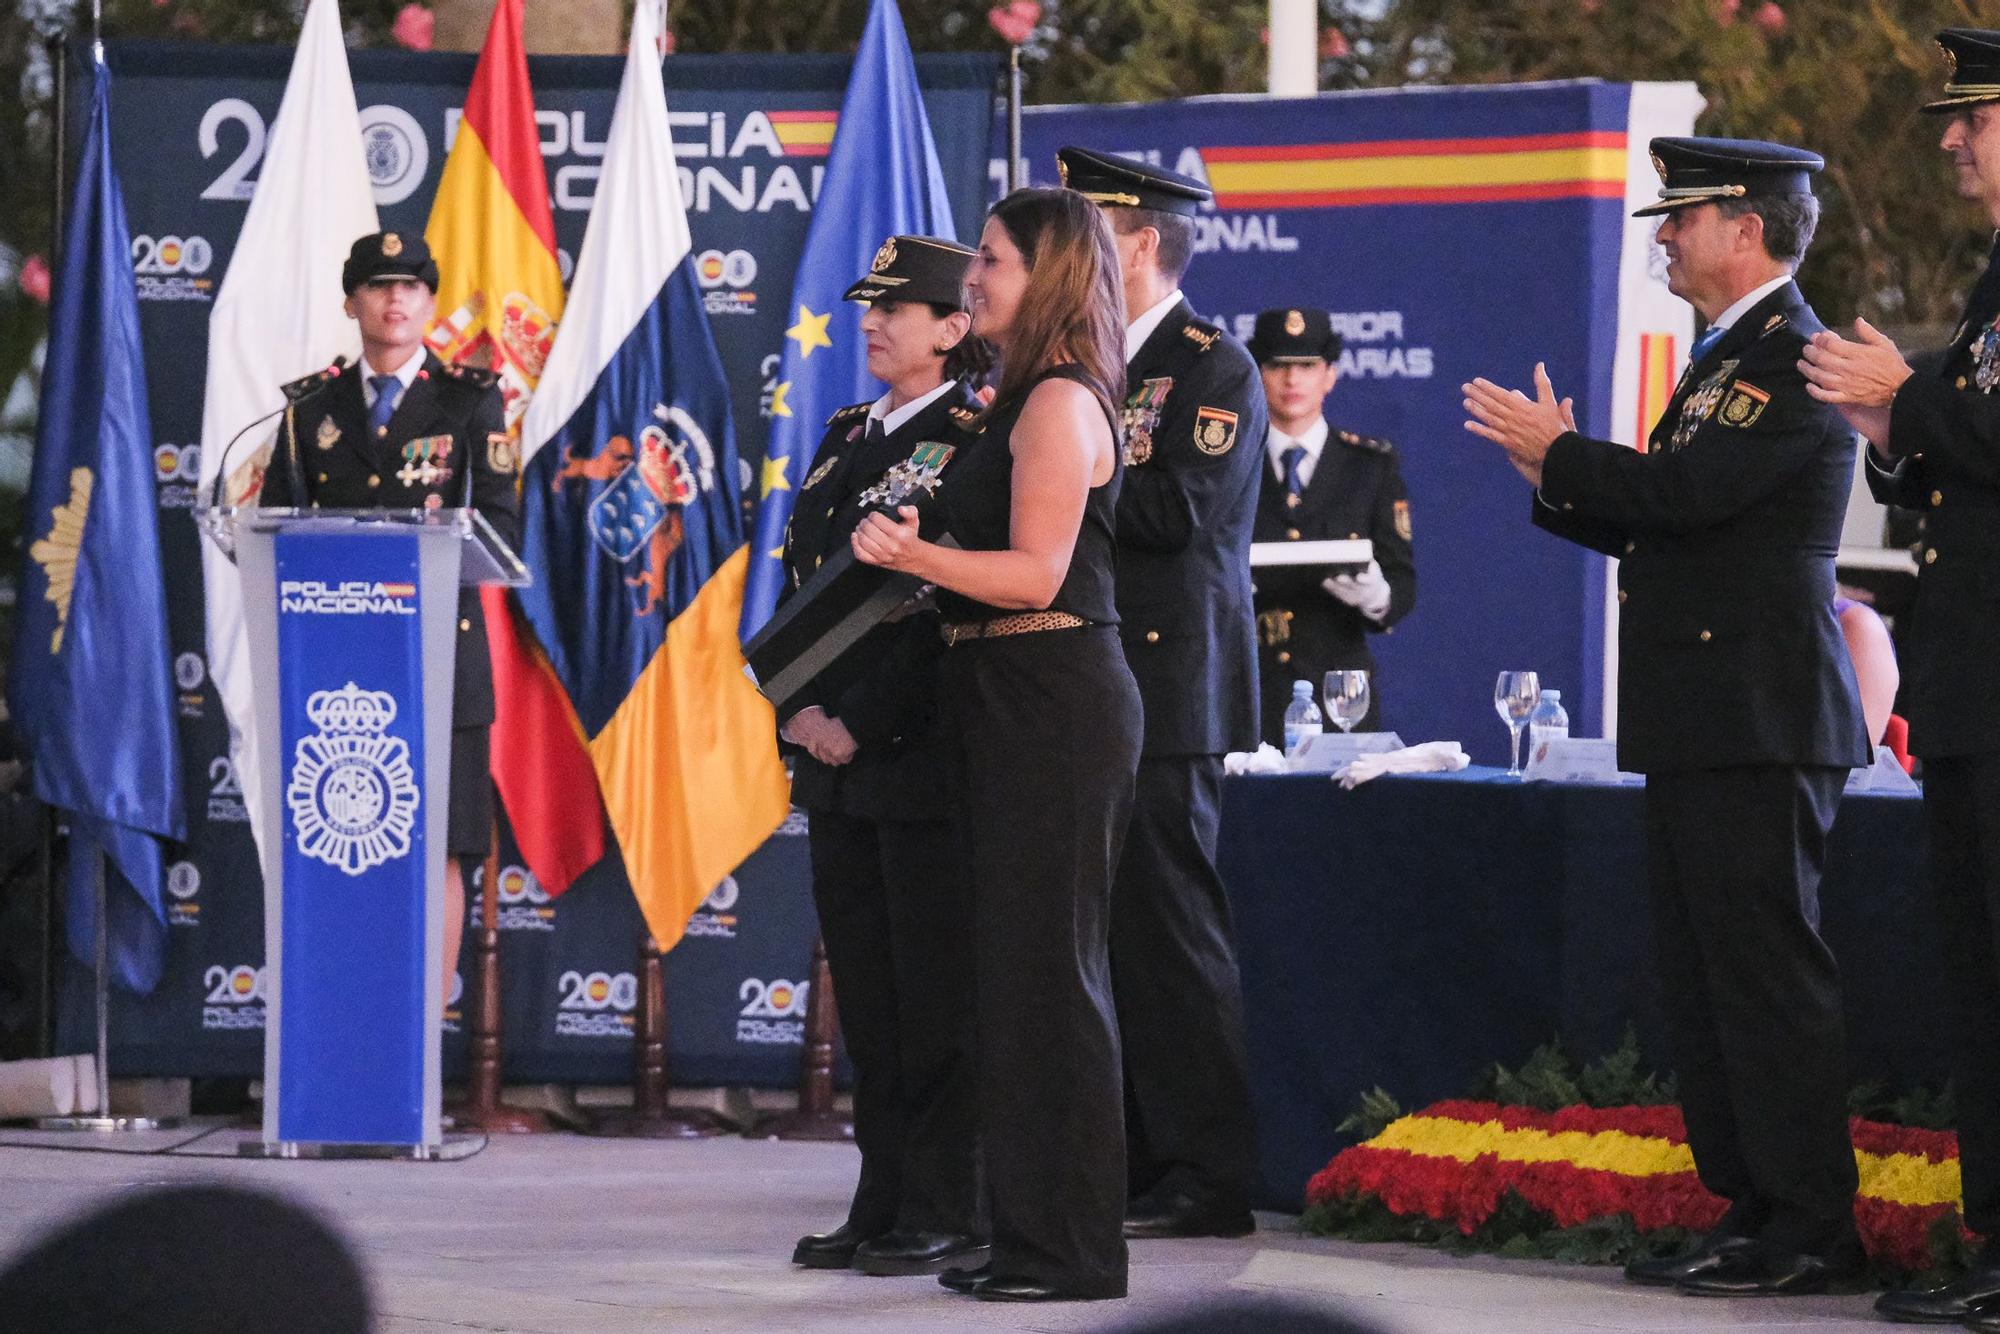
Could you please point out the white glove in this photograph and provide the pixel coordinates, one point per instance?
(1367, 592)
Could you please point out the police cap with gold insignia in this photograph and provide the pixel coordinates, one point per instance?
(1709, 171)
(1297, 333)
(382, 255)
(916, 268)
(1123, 182)
(1971, 68)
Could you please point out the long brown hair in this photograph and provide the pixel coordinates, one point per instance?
(1073, 309)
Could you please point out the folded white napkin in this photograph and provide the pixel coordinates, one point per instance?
(1266, 759)
(1431, 757)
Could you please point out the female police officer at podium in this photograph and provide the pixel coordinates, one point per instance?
(1047, 717)
(402, 430)
(875, 775)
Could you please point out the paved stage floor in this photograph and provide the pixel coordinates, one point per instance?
(560, 1233)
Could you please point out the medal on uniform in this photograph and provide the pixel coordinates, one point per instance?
(919, 472)
(1142, 417)
(328, 435)
(1700, 405)
(1986, 358)
(424, 461)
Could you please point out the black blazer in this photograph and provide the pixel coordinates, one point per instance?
(1944, 430)
(1303, 631)
(452, 415)
(1726, 528)
(885, 689)
(1194, 428)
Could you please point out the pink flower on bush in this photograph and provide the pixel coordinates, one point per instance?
(34, 279)
(1725, 10)
(413, 27)
(1333, 44)
(1015, 22)
(1770, 19)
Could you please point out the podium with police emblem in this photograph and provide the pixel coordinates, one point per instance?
(351, 618)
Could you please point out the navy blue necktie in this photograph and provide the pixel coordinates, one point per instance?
(1292, 458)
(1709, 338)
(385, 387)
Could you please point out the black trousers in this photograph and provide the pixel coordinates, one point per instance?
(1188, 1125)
(1962, 810)
(1049, 722)
(1753, 993)
(896, 917)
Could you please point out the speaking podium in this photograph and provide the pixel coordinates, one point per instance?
(352, 631)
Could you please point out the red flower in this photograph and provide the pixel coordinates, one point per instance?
(1015, 22)
(1725, 10)
(413, 27)
(1333, 44)
(1770, 19)
(34, 279)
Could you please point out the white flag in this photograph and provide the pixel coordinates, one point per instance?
(279, 315)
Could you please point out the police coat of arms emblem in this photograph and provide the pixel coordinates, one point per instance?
(353, 793)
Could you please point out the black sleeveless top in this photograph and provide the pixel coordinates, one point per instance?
(978, 494)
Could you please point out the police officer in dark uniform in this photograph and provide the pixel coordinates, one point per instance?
(1193, 423)
(876, 775)
(1934, 432)
(400, 429)
(1321, 483)
(1736, 699)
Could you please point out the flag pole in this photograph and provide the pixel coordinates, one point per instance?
(1014, 181)
(102, 1119)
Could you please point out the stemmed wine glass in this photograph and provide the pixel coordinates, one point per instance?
(1515, 695)
(1346, 698)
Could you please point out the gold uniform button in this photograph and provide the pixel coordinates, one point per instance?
(1930, 556)
(1291, 502)
(1959, 382)
(464, 623)
(381, 432)
(1152, 636)
(1568, 506)
(1284, 655)
(1353, 537)
(1621, 595)
(1937, 497)
(1631, 547)
(322, 477)
(1291, 534)
(374, 480)
(1706, 636)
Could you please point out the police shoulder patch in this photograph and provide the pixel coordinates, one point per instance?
(848, 413)
(1745, 403)
(500, 452)
(1214, 430)
(819, 473)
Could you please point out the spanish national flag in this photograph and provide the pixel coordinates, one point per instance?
(500, 296)
(633, 525)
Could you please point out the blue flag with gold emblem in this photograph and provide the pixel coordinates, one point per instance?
(89, 684)
(882, 180)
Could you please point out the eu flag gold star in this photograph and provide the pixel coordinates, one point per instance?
(774, 475)
(780, 408)
(810, 331)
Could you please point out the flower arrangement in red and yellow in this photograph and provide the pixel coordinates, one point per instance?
(1462, 1165)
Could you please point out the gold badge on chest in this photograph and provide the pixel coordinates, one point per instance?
(328, 435)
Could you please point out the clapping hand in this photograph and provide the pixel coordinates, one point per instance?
(1524, 427)
(1858, 376)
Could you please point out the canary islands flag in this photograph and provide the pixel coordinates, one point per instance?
(89, 682)
(631, 524)
(882, 180)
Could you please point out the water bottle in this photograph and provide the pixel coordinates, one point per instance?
(1302, 718)
(1547, 723)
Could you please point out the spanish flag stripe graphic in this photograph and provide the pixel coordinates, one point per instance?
(1439, 171)
(807, 133)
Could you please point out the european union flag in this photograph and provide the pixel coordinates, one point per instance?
(89, 683)
(882, 180)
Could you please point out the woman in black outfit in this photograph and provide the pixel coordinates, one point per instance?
(1048, 717)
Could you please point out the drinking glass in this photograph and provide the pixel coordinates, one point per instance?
(1346, 698)
(1515, 695)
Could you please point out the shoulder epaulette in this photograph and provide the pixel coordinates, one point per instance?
(1368, 442)
(851, 411)
(1201, 333)
(963, 416)
(476, 377)
(297, 391)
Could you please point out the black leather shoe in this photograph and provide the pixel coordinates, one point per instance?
(998, 1288)
(1664, 1270)
(1178, 1215)
(1760, 1269)
(1970, 1296)
(966, 1280)
(909, 1251)
(830, 1250)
